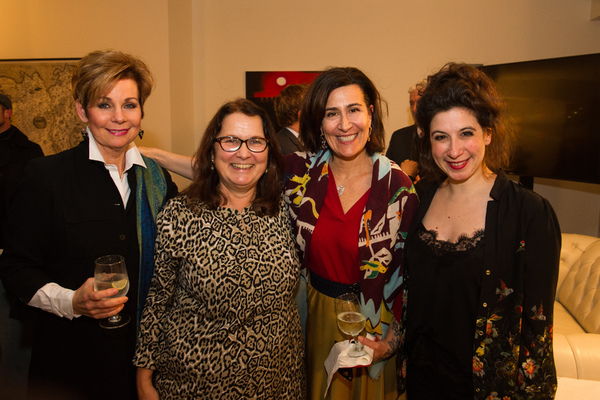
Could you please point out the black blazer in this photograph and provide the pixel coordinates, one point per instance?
(404, 145)
(67, 212)
(288, 142)
(15, 150)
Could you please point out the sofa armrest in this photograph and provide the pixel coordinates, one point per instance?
(585, 348)
(566, 366)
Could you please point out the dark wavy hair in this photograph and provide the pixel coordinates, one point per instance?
(205, 186)
(315, 101)
(465, 86)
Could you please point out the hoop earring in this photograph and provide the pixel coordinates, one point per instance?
(141, 133)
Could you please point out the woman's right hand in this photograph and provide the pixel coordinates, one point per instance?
(145, 389)
(96, 305)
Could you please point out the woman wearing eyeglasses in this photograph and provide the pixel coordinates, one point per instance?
(220, 320)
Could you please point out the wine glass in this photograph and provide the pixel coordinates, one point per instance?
(110, 272)
(351, 321)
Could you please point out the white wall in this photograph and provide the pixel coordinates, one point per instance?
(397, 43)
(199, 51)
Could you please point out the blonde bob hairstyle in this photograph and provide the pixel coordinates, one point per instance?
(98, 72)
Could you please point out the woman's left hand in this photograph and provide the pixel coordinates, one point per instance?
(382, 350)
(386, 348)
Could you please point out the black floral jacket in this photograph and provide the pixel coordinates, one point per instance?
(512, 352)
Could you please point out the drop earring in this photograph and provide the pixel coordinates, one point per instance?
(84, 133)
(370, 130)
(323, 141)
(141, 133)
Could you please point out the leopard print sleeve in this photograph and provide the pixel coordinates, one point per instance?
(163, 285)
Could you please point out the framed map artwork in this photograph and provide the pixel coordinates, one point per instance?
(43, 106)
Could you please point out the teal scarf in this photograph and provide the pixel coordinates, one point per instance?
(150, 194)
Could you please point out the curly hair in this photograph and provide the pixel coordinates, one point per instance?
(98, 72)
(315, 102)
(465, 86)
(205, 187)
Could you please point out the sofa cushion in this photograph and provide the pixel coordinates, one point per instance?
(579, 290)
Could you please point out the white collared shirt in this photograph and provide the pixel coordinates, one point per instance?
(132, 157)
(293, 132)
(54, 298)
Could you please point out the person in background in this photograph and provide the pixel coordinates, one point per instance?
(15, 151)
(15, 333)
(99, 198)
(350, 209)
(482, 255)
(221, 320)
(287, 111)
(404, 144)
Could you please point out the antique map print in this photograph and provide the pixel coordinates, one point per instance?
(43, 106)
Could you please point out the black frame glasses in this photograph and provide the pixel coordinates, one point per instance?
(240, 142)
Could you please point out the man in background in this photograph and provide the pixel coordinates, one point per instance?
(15, 335)
(287, 111)
(15, 150)
(404, 144)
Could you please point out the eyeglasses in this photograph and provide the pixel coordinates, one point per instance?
(232, 143)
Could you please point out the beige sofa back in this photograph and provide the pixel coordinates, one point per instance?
(578, 287)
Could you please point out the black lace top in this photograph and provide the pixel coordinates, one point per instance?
(443, 312)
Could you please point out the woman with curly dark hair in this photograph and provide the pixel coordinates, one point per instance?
(482, 254)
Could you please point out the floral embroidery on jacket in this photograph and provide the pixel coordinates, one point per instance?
(512, 351)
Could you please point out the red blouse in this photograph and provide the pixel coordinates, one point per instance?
(334, 245)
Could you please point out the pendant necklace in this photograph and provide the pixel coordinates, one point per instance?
(340, 189)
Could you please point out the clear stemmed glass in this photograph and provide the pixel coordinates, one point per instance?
(351, 321)
(110, 272)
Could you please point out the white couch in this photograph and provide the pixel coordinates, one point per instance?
(577, 309)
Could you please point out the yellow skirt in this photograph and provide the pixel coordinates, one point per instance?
(321, 334)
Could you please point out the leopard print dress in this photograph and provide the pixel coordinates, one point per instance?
(220, 321)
